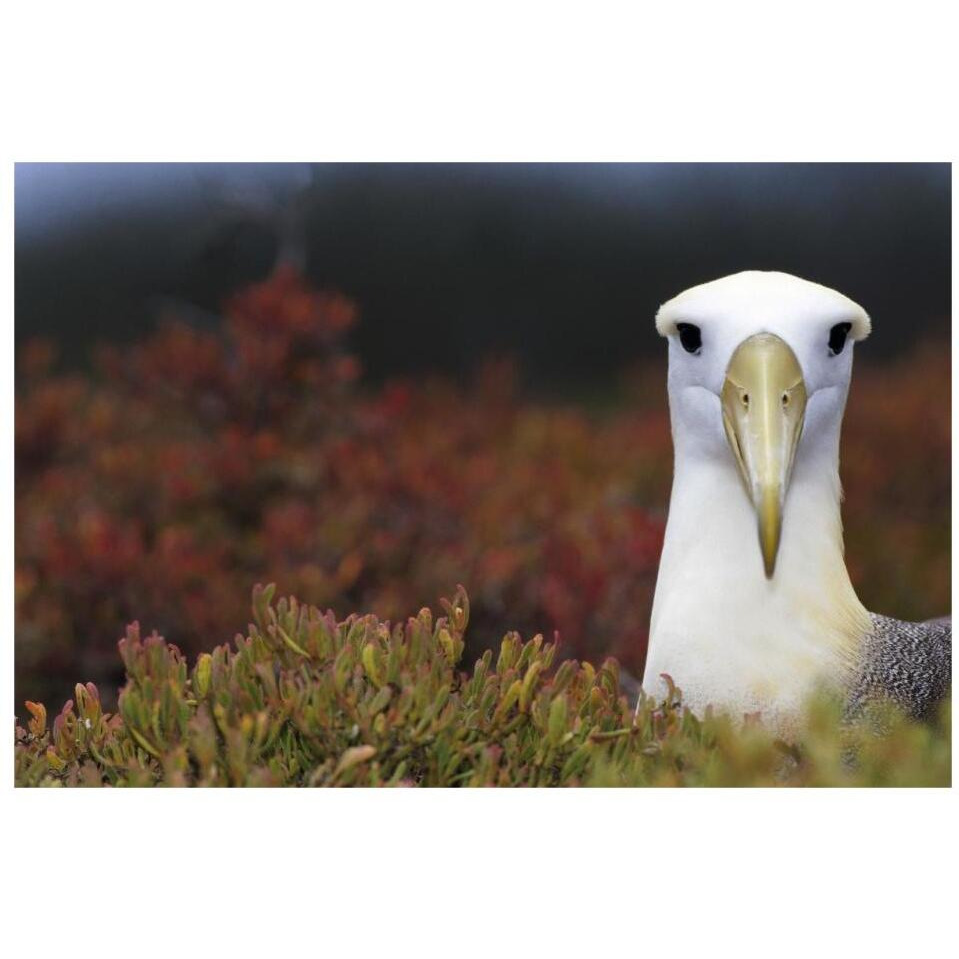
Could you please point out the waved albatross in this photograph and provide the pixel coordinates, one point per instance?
(759, 369)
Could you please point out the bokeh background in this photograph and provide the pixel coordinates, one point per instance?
(370, 382)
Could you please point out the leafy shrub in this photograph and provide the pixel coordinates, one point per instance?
(186, 466)
(897, 477)
(196, 462)
(305, 700)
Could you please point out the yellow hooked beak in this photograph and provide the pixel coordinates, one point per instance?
(764, 403)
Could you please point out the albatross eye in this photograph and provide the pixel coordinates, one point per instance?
(690, 336)
(837, 337)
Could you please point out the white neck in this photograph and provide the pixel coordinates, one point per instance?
(728, 636)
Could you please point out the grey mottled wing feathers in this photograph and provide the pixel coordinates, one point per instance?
(908, 663)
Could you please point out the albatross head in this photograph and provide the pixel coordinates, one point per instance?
(753, 599)
(751, 356)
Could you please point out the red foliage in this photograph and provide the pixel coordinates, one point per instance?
(195, 463)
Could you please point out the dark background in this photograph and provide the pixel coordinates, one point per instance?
(561, 265)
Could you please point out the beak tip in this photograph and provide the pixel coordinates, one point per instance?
(770, 525)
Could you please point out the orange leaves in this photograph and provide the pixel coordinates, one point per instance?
(287, 300)
(38, 724)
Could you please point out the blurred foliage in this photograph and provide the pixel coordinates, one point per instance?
(897, 478)
(195, 462)
(305, 700)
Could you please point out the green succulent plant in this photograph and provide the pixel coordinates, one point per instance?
(304, 700)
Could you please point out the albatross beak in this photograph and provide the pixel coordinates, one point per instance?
(764, 402)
